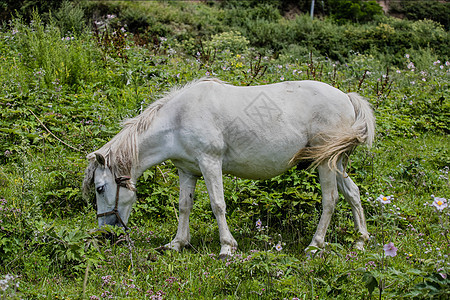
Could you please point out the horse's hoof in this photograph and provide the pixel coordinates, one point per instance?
(312, 251)
(224, 256)
(161, 249)
(226, 252)
(359, 245)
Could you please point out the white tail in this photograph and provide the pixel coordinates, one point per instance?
(344, 141)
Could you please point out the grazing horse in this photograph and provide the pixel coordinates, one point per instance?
(209, 128)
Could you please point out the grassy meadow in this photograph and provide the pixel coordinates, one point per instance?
(65, 90)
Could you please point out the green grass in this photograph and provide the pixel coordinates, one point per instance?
(46, 228)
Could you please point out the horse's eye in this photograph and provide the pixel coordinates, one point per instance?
(100, 189)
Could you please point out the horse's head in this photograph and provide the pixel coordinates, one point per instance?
(115, 195)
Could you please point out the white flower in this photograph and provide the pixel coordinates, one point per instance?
(439, 203)
(384, 199)
(278, 246)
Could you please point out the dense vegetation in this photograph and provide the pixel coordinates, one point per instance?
(69, 77)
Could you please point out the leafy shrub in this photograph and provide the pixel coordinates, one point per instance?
(232, 41)
(354, 10)
(70, 18)
(432, 10)
(25, 8)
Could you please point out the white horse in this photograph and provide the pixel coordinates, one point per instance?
(210, 128)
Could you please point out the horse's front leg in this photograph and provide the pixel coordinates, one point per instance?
(212, 173)
(186, 202)
(329, 197)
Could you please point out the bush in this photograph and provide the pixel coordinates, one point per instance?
(354, 10)
(70, 18)
(232, 41)
(432, 9)
(25, 8)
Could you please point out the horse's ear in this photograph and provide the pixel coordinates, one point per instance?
(100, 159)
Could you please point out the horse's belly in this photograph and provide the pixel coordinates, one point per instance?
(252, 171)
(259, 161)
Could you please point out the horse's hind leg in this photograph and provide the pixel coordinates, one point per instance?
(186, 202)
(212, 173)
(351, 193)
(329, 198)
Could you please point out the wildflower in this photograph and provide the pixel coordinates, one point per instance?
(439, 203)
(390, 249)
(259, 224)
(407, 55)
(384, 199)
(352, 256)
(443, 275)
(371, 264)
(278, 246)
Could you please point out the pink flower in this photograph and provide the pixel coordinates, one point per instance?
(390, 249)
